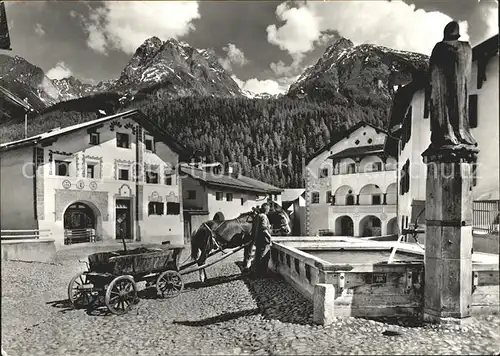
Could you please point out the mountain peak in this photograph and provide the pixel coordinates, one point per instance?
(362, 73)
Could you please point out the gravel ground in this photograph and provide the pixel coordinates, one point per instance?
(228, 315)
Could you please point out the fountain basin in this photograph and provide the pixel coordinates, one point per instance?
(351, 277)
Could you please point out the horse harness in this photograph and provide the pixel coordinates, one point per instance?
(213, 234)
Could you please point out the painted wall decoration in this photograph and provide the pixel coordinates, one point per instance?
(55, 152)
(86, 158)
(93, 185)
(125, 191)
(155, 197)
(66, 184)
(63, 198)
(80, 184)
(113, 124)
(383, 216)
(172, 198)
(129, 163)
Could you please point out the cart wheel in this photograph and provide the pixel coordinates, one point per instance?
(79, 293)
(169, 284)
(121, 294)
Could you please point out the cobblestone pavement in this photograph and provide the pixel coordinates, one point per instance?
(229, 315)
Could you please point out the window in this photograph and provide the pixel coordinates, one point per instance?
(149, 144)
(349, 200)
(377, 166)
(173, 208)
(155, 208)
(122, 140)
(404, 184)
(229, 196)
(473, 111)
(168, 180)
(152, 175)
(123, 174)
(90, 171)
(406, 134)
(242, 201)
(94, 138)
(351, 168)
(191, 194)
(474, 174)
(62, 168)
(315, 198)
(376, 199)
(329, 197)
(218, 195)
(323, 173)
(275, 197)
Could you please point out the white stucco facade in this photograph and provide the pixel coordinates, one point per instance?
(111, 201)
(212, 198)
(352, 194)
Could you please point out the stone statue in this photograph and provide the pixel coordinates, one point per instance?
(449, 70)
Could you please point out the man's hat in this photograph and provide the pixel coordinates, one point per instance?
(452, 31)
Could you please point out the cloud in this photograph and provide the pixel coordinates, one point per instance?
(39, 30)
(393, 24)
(125, 25)
(60, 71)
(268, 86)
(301, 29)
(234, 55)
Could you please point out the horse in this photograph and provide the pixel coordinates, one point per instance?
(219, 235)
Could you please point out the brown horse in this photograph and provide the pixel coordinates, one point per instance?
(213, 235)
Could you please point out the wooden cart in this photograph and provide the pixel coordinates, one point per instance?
(112, 276)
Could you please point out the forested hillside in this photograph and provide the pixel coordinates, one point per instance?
(257, 133)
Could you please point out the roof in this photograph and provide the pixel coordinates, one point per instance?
(340, 137)
(228, 181)
(290, 195)
(13, 98)
(135, 114)
(402, 100)
(486, 48)
(358, 151)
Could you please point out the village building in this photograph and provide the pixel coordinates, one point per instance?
(111, 178)
(410, 132)
(351, 186)
(217, 192)
(294, 202)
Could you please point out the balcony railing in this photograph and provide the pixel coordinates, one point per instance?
(362, 209)
(486, 215)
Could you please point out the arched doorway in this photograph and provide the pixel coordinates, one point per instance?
(219, 217)
(79, 223)
(370, 226)
(392, 227)
(344, 226)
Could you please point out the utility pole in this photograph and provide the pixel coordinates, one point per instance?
(26, 120)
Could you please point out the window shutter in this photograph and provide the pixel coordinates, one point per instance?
(473, 111)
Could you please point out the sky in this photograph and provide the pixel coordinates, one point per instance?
(265, 45)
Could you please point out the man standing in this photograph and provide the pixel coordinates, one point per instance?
(262, 240)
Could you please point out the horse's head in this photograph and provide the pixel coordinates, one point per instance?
(280, 221)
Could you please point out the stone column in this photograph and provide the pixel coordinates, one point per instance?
(448, 240)
(385, 199)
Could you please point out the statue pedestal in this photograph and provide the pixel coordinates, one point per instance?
(448, 240)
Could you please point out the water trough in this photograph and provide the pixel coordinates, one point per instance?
(346, 276)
